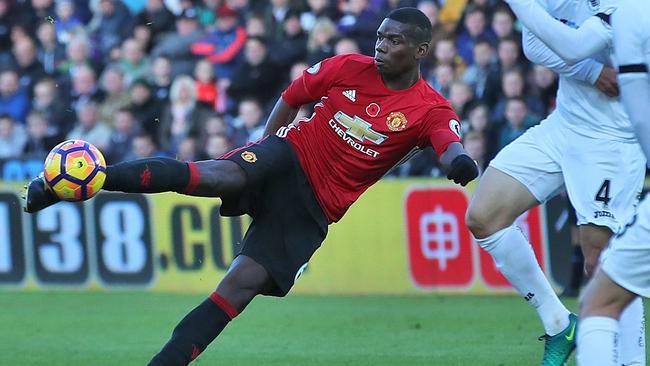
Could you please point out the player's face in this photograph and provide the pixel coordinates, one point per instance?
(394, 52)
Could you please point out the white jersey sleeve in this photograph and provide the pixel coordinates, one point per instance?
(631, 23)
(572, 45)
(539, 53)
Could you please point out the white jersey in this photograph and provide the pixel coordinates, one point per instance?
(631, 23)
(585, 108)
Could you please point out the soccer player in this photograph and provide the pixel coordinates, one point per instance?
(624, 270)
(580, 146)
(372, 113)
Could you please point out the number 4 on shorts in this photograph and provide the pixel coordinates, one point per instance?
(603, 193)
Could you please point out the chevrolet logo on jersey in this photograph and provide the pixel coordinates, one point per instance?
(359, 129)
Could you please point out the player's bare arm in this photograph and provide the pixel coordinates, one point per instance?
(281, 115)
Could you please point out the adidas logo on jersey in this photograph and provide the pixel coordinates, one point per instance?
(350, 94)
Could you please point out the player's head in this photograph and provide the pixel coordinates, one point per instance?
(403, 39)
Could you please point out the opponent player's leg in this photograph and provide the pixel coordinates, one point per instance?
(605, 193)
(244, 280)
(598, 333)
(498, 201)
(209, 178)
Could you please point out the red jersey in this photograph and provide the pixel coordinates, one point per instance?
(360, 129)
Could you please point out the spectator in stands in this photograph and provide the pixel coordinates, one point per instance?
(320, 43)
(142, 34)
(223, 45)
(161, 78)
(12, 137)
(183, 117)
(514, 86)
(176, 46)
(133, 62)
(29, 68)
(474, 143)
(29, 13)
(85, 87)
(517, 121)
(318, 9)
(346, 46)
(475, 28)
(445, 53)
(125, 128)
(360, 23)
(206, 11)
(508, 53)
(292, 46)
(53, 107)
(188, 150)
(249, 123)
(460, 96)
(430, 9)
(256, 76)
(14, 100)
(476, 75)
(441, 79)
(274, 17)
(503, 23)
(89, 128)
(41, 138)
(112, 83)
(66, 21)
(206, 84)
(157, 18)
(256, 26)
(77, 55)
(144, 146)
(146, 109)
(6, 23)
(113, 25)
(216, 146)
(51, 53)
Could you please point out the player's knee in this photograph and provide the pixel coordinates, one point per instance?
(478, 222)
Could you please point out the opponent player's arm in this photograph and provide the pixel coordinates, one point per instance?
(281, 115)
(632, 54)
(572, 45)
(588, 70)
(539, 53)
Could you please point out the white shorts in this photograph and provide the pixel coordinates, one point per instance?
(627, 258)
(603, 178)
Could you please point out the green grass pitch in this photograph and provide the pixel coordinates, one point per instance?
(127, 327)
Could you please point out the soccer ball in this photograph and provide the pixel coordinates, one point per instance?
(75, 170)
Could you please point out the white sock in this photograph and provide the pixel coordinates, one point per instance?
(597, 342)
(632, 334)
(514, 257)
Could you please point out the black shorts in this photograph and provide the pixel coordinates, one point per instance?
(288, 223)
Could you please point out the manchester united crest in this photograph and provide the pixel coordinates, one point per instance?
(396, 121)
(249, 156)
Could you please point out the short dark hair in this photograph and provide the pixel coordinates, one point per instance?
(420, 26)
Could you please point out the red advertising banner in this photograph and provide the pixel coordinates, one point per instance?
(439, 244)
(531, 227)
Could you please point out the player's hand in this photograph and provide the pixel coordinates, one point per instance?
(607, 82)
(463, 170)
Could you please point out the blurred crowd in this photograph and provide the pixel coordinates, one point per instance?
(193, 79)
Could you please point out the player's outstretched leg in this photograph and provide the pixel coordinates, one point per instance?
(210, 178)
(498, 201)
(600, 309)
(245, 279)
